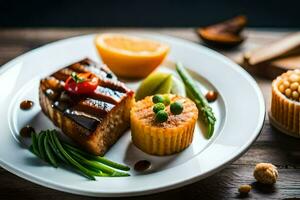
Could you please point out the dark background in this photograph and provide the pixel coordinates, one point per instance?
(146, 13)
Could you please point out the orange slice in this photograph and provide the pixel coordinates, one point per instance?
(130, 56)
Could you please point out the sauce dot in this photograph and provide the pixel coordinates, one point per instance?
(26, 104)
(142, 165)
(26, 131)
(211, 96)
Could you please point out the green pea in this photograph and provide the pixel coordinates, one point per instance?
(157, 107)
(161, 116)
(176, 108)
(167, 100)
(157, 99)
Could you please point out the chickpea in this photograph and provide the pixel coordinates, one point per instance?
(288, 92)
(294, 86)
(281, 88)
(294, 78)
(289, 72)
(286, 83)
(295, 95)
(245, 189)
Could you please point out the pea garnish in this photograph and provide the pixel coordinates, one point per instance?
(157, 99)
(176, 108)
(167, 100)
(157, 107)
(161, 116)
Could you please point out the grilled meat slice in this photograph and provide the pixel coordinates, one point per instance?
(93, 121)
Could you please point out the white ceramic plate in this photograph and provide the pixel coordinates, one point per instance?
(239, 110)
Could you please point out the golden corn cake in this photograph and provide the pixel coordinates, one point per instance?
(163, 138)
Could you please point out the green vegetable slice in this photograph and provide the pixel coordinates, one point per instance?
(155, 83)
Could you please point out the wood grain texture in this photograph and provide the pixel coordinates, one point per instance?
(271, 146)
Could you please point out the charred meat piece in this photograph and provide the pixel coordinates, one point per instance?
(94, 121)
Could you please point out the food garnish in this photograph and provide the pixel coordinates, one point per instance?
(26, 131)
(161, 116)
(26, 104)
(211, 96)
(224, 34)
(194, 93)
(160, 83)
(158, 106)
(158, 99)
(142, 165)
(167, 100)
(94, 120)
(265, 173)
(176, 108)
(162, 132)
(48, 147)
(155, 83)
(82, 83)
(130, 56)
(244, 189)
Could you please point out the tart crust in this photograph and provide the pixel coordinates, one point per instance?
(285, 113)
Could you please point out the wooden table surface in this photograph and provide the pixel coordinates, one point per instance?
(271, 145)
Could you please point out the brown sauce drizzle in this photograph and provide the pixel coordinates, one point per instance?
(26, 131)
(26, 104)
(85, 121)
(142, 165)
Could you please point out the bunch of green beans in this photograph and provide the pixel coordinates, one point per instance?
(47, 146)
(194, 93)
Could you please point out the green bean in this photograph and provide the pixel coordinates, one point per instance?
(97, 165)
(40, 140)
(96, 171)
(55, 149)
(48, 147)
(99, 159)
(48, 150)
(34, 144)
(73, 162)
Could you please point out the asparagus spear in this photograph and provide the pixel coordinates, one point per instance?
(195, 94)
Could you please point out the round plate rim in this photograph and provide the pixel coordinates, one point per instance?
(242, 148)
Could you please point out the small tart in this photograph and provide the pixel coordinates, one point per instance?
(171, 136)
(285, 106)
